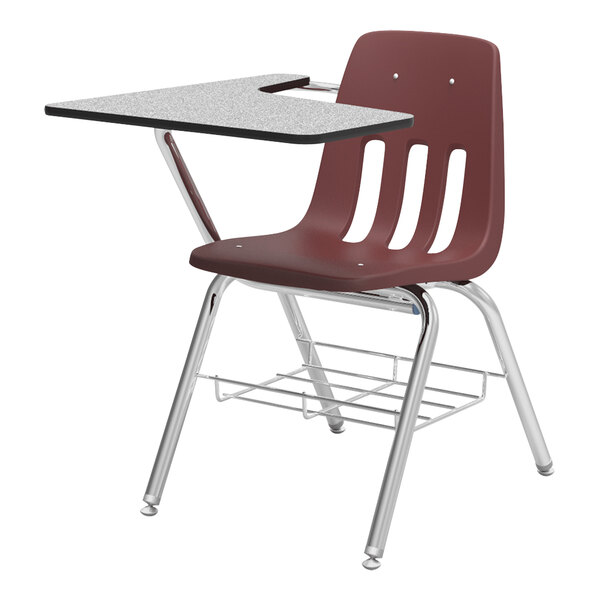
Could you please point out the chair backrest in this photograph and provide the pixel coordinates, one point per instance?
(452, 85)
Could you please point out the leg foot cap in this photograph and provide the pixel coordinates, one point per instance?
(545, 471)
(149, 510)
(339, 430)
(371, 564)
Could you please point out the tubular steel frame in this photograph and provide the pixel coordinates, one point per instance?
(413, 299)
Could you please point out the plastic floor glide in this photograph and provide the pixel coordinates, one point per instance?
(451, 84)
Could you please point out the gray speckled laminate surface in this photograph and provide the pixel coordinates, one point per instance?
(238, 107)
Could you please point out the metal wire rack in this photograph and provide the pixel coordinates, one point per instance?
(369, 396)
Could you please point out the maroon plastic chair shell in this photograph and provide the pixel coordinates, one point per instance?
(465, 115)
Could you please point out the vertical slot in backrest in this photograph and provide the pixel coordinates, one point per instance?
(452, 201)
(368, 194)
(413, 197)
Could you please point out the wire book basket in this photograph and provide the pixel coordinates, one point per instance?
(370, 395)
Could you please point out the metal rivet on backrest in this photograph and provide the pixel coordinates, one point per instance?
(451, 82)
(395, 75)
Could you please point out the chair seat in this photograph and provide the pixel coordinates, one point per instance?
(313, 260)
(452, 86)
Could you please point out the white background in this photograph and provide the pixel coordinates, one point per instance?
(99, 302)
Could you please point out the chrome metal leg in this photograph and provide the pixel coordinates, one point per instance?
(321, 384)
(186, 185)
(404, 428)
(168, 444)
(510, 366)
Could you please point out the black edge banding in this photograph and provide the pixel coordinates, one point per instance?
(289, 138)
(285, 85)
